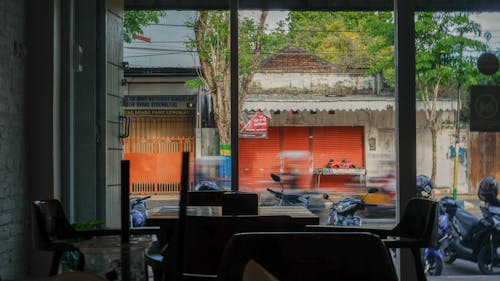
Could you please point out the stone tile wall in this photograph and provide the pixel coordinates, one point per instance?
(12, 142)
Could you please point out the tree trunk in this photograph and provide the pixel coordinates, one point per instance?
(434, 154)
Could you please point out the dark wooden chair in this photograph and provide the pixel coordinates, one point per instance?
(240, 203)
(205, 198)
(416, 229)
(53, 232)
(206, 237)
(153, 254)
(305, 256)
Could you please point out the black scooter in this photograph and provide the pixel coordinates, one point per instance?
(288, 199)
(476, 240)
(343, 212)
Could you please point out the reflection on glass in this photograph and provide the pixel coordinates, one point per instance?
(319, 112)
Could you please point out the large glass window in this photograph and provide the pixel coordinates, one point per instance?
(317, 109)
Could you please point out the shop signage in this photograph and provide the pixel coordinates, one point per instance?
(157, 112)
(256, 127)
(160, 102)
(485, 108)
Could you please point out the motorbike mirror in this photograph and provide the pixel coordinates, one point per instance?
(325, 196)
(276, 178)
(372, 190)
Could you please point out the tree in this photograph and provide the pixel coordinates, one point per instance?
(333, 36)
(212, 43)
(441, 61)
(134, 21)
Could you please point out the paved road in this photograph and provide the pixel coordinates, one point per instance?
(463, 271)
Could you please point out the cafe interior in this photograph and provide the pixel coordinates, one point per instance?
(73, 47)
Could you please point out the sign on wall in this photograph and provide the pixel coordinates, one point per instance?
(254, 126)
(485, 108)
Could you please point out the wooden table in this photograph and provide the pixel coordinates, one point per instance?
(167, 217)
(170, 214)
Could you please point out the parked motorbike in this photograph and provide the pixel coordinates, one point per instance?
(433, 257)
(474, 239)
(343, 212)
(138, 211)
(288, 199)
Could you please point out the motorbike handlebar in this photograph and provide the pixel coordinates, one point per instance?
(140, 199)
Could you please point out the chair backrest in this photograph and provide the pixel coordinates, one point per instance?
(50, 223)
(206, 237)
(309, 256)
(240, 203)
(205, 198)
(419, 221)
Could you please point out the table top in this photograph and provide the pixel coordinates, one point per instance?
(171, 213)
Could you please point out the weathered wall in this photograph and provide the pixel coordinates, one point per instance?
(313, 83)
(12, 151)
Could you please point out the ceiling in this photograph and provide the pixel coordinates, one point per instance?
(421, 5)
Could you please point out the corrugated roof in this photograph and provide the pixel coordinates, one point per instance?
(346, 103)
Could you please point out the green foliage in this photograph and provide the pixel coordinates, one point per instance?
(88, 225)
(340, 37)
(70, 259)
(135, 20)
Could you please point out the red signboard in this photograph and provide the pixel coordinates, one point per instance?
(256, 127)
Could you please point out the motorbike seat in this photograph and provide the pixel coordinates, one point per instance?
(467, 221)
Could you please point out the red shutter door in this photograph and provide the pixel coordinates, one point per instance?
(296, 140)
(338, 143)
(258, 159)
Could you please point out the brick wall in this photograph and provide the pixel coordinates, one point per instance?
(12, 149)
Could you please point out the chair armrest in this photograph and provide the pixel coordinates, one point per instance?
(145, 230)
(98, 232)
(201, 277)
(405, 243)
(383, 233)
(108, 231)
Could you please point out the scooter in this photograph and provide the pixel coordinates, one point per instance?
(476, 240)
(433, 257)
(288, 199)
(343, 211)
(138, 211)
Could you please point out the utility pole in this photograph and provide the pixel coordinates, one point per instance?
(457, 142)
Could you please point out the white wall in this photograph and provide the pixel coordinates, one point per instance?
(315, 83)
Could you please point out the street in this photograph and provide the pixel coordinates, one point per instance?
(464, 271)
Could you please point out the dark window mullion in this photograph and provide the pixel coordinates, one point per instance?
(234, 96)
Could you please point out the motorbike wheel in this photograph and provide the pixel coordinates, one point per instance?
(433, 265)
(486, 263)
(449, 256)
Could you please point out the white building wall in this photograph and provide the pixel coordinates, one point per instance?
(314, 83)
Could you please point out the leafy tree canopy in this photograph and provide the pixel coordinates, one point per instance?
(135, 21)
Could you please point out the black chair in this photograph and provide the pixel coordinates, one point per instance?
(304, 256)
(205, 198)
(206, 237)
(52, 232)
(153, 254)
(240, 203)
(416, 229)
